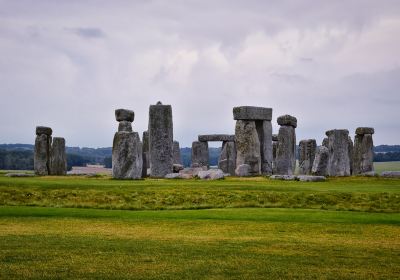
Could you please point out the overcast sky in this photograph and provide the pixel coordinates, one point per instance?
(70, 64)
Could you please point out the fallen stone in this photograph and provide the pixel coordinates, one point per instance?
(390, 174)
(252, 113)
(243, 170)
(124, 115)
(227, 158)
(125, 126)
(43, 130)
(127, 156)
(365, 130)
(216, 138)
(283, 177)
(19, 175)
(212, 174)
(176, 153)
(309, 178)
(338, 146)
(41, 159)
(369, 174)
(173, 176)
(248, 146)
(321, 161)
(307, 149)
(58, 157)
(192, 171)
(177, 167)
(200, 154)
(287, 120)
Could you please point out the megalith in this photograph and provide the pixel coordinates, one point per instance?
(248, 146)
(41, 159)
(320, 165)
(127, 161)
(200, 154)
(286, 150)
(227, 158)
(58, 158)
(307, 149)
(338, 146)
(160, 140)
(363, 155)
(176, 152)
(274, 148)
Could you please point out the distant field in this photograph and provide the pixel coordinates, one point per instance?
(387, 166)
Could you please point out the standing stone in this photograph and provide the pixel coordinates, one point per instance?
(145, 154)
(325, 142)
(199, 154)
(338, 146)
(248, 146)
(351, 150)
(307, 150)
(160, 140)
(127, 156)
(41, 160)
(58, 158)
(286, 151)
(176, 151)
(274, 148)
(320, 165)
(227, 159)
(363, 151)
(264, 131)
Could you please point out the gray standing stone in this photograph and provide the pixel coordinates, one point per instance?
(338, 145)
(351, 151)
(227, 159)
(286, 151)
(321, 161)
(41, 160)
(307, 149)
(248, 146)
(243, 170)
(145, 153)
(274, 149)
(127, 156)
(58, 158)
(363, 154)
(176, 151)
(125, 126)
(160, 140)
(264, 131)
(200, 154)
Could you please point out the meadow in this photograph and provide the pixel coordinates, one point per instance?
(76, 227)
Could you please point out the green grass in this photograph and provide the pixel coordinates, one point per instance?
(49, 243)
(386, 166)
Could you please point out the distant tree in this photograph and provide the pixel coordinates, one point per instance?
(108, 162)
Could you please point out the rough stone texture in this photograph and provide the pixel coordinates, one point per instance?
(127, 156)
(391, 174)
(43, 130)
(216, 138)
(199, 154)
(320, 165)
(124, 115)
(363, 155)
(212, 174)
(176, 152)
(283, 177)
(369, 174)
(275, 137)
(351, 151)
(338, 145)
(192, 171)
(248, 148)
(365, 130)
(274, 149)
(58, 157)
(145, 154)
(287, 120)
(325, 142)
(243, 170)
(125, 126)
(252, 113)
(177, 167)
(264, 131)
(307, 150)
(160, 140)
(227, 158)
(308, 178)
(173, 176)
(286, 151)
(41, 160)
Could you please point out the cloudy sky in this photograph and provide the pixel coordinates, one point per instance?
(70, 64)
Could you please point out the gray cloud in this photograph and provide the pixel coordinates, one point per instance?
(88, 32)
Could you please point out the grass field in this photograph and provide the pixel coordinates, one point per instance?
(237, 228)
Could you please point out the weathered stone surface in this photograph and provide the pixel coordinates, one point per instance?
(363, 155)
(264, 131)
(274, 149)
(252, 113)
(365, 130)
(41, 160)
(200, 153)
(350, 152)
(212, 174)
(160, 140)
(43, 130)
(176, 152)
(192, 171)
(287, 120)
(127, 156)
(124, 115)
(283, 177)
(125, 126)
(338, 145)
(177, 167)
(216, 138)
(286, 151)
(173, 176)
(248, 146)
(145, 154)
(321, 161)
(325, 142)
(227, 158)
(275, 137)
(309, 178)
(58, 157)
(391, 174)
(307, 149)
(243, 170)
(145, 141)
